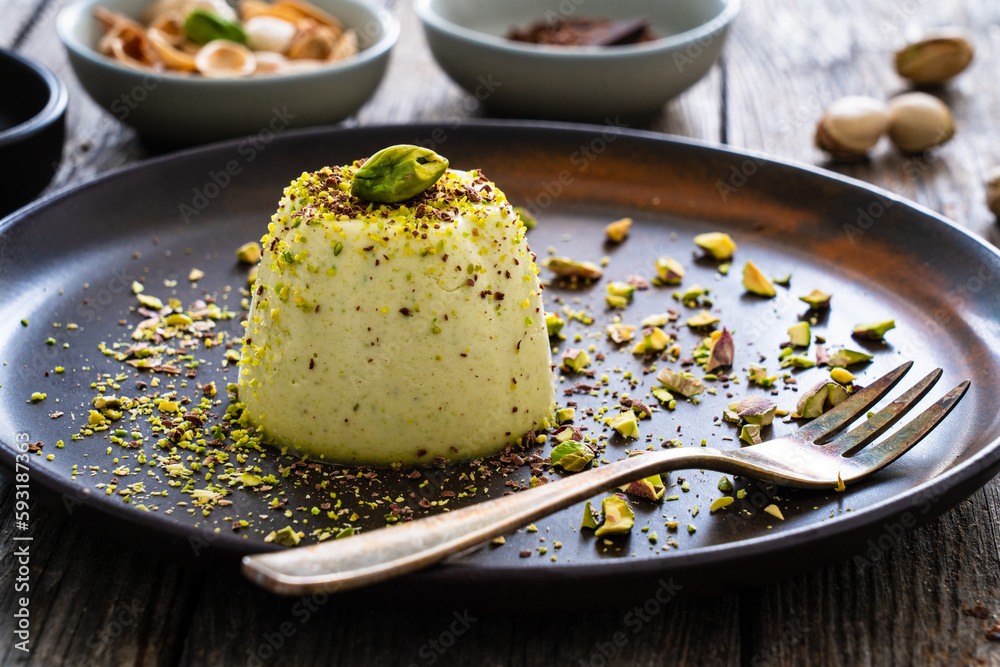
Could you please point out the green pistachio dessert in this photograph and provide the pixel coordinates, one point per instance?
(396, 317)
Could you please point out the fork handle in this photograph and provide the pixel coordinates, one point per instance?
(379, 555)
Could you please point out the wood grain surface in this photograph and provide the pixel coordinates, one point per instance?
(96, 602)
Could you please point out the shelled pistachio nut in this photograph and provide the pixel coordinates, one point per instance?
(398, 173)
(936, 57)
(918, 121)
(850, 126)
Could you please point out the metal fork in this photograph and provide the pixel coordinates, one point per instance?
(810, 458)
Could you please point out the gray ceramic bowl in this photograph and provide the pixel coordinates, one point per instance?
(32, 128)
(183, 110)
(574, 83)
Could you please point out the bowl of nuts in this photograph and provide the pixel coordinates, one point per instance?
(585, 60)
(189, 71)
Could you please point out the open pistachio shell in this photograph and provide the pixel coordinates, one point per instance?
(345, 47)
(124, 39)
(170, 26)
(172, 57)
(222, 59)
(316, 42)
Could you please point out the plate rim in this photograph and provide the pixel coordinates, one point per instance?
(984, 461)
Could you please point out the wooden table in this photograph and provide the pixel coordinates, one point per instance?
(95, 602)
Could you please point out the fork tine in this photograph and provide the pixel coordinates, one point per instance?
(881, 422)
(846, 412)
(887, 451)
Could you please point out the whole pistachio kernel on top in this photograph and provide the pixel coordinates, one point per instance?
(936, 57)
(398, 173)
(850, 126)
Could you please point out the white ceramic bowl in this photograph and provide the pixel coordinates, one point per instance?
(183, 110)
(575, 83)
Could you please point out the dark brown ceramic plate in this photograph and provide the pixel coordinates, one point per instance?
(72, 257)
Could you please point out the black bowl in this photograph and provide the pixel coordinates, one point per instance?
(32, 128)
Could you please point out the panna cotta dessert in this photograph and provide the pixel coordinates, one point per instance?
(396, 317)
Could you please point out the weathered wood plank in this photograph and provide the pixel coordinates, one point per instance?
(237, 624)
(903, 607)
(17, 14)
(904, 604)
(95, 140)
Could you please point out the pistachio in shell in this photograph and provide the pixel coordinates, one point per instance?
(918, 121)
(936, 57)
(851, 126)
(993, 191)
